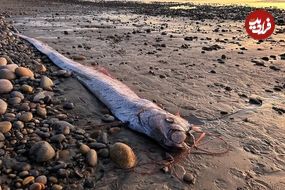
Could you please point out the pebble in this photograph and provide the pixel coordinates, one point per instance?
(28, 180)
(2, 137)
(36, 186)
(42, 112)
(57, 187)
(11, 67)
(108, 118)
(24, 72)
(3, 107)
(57, 138)
(26, 117)
(27, 89)
(3, 61)
(5, 126)
(91, 158)
(256, 101)
(62, 127)
(18, 125)
(42, 151)
(189, 178)
(17, 94)
(68, 106)
(123, 155)
(84, 149)
(5, 86)
(46, 83)
(41, 179)
(40, 68)
(14, 100)
(7, 74)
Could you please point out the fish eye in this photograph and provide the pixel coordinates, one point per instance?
(169, 120)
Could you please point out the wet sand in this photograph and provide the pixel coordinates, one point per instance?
(208, 70)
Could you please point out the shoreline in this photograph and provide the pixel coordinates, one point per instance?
(208, 70)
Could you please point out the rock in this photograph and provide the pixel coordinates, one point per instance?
(2, 137)
(62, 127)
(14, 101)
(41, 179)
(28, 180)
(122, 155)
(42, 151)
(24, 72)
(40, 68)
(68, 106)
(108, 118)
(5, 86)
(84, 149)
(189, 178)
(104, 153)
(18, 125)
(3, 61)
(41, 95)
(57, 138)
(27, 89)
(17, 94)
(46, 83)
(26, 117)
(5, 126)
(91, 158)
(11, 67)
(36, 186)
(3, 107)
(255, 100)
(42, 112)
(57, 187)
(7, 74)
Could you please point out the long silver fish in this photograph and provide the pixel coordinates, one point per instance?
(142, 115)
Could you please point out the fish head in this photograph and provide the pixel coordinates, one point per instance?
(170, 130)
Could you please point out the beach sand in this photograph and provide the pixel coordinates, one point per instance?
(207, 69)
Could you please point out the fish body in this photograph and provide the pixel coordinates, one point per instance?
(142, 115)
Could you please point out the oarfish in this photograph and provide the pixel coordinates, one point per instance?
(142, 115)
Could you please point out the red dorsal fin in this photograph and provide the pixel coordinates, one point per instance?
(104, 71)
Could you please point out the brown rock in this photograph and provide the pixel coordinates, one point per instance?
(27, 89)
(91, 158)
(3, 107)
(5, 86)
(26, 117)
(123, 155)
(7, 74)
(3, 61)
(46, 83)
(5, 126)
(24, 72)
(42, 151)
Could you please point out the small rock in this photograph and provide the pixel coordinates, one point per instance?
(28, 180)
(42, 151)
(108, 118)
(36, 186)
(5, 126)
(62, 127)
(26, 117)
(17, 94)
(46, 83)
(2, 137)
(84, 149)
(5, 86)
(27, 89)
(14, 101)
(91, 158)
(11, 67)
(123, 155)
(3, 61)
(68, 106)
(189, 178)
(104, 153)
(57, 138)
(7, 74)
(255, 101)
(24, 72)
(42, 112)
(41, 179)
(57, 187)
(40, 68)
(3, 107)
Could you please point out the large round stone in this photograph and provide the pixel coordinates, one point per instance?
(123, 155)
(24, 72)
(46, 83)
(91, 157)
(42, 151)
(3, 107)
(7, 74)
(5, 86)
(5, 126)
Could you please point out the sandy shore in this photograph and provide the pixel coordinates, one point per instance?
(200, 64)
